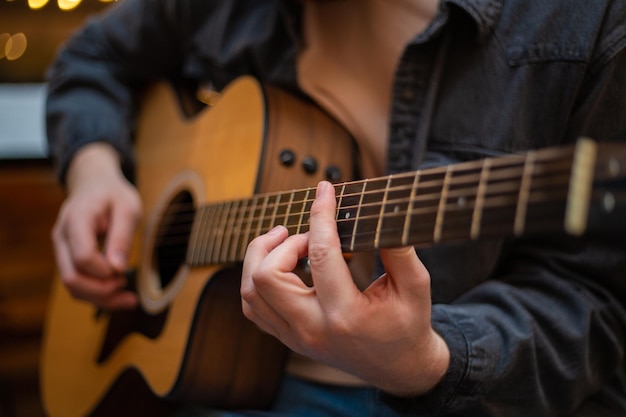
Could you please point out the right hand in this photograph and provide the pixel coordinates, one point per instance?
(93, 233)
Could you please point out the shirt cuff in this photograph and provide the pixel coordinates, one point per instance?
(446, 394)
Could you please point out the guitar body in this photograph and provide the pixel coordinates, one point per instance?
(189, 340)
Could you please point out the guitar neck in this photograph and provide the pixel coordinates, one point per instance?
(544, 191)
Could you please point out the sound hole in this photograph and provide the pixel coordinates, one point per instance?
(172, 237)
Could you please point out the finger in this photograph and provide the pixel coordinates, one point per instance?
(257, 251)
(327, 263)
(109, 293)
(120, 236)
(79, 235)
(407, 272)
(121, 300)
(105, 292)
(254, 306)
(275, 280)
(64, 262)
(277, 299)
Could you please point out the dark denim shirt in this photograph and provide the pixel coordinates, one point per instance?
(536, 326)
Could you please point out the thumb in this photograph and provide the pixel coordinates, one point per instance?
(120, 237)
(407, 271)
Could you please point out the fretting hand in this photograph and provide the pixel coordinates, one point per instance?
(382, 334)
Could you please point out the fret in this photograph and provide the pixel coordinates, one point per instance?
(194, 238)
(343, 215)
(268, 222)
(381, 213)
(227, 230)
(208, 218)
(305, 212)
(442, 205)
(220, 232)
(524, 194)
(230, 230)
(480, 200)
(282, 210)
(248, 218)
(548, 195)
(423, 207)
(355, 219)
(407, 218)
(261, 216)
(394, 210)
(213, 215)
(347, 213)
(500, 198)
(458, 206)
(236, 236)
(294, 214)
(368, 214)
(200, 258)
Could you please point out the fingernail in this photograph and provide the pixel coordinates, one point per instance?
(275, 230)
(321, 187)
(118, 259)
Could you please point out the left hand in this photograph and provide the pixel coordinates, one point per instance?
(382, 334)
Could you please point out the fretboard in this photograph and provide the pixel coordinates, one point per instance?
(540, 191)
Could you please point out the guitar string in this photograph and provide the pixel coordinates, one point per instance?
(490, 204)
(502, 223)
(509, 188)
(497, 184)
(186, 211)
(471, 167)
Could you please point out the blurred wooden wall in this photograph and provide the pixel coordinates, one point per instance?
(29, 201)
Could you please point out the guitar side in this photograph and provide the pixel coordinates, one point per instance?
(189, 341)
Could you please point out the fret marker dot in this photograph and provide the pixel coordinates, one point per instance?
(396, 209)
(461, 202)
(347, 216)
(608, 202)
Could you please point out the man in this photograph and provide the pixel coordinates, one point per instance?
(530, 326)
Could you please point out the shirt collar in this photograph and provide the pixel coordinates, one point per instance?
(485, 13)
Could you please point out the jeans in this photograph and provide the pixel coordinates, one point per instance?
(300, 398)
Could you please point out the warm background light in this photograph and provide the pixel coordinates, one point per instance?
(68, 4)
(4, 38)
(15, 46)
(37, 4)
(31, 32)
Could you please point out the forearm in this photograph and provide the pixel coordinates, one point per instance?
(546, 334)
(94, 160)
(95, 82)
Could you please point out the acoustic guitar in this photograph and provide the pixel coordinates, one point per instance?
(213, 182)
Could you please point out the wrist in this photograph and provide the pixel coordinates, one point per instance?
(422, 370)
(98, 158)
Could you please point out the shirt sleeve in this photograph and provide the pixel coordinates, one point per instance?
(94, 84)
(546, 335)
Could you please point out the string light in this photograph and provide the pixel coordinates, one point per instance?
(65, 5)
(68, 4)
(37, 4)
(12, 47)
